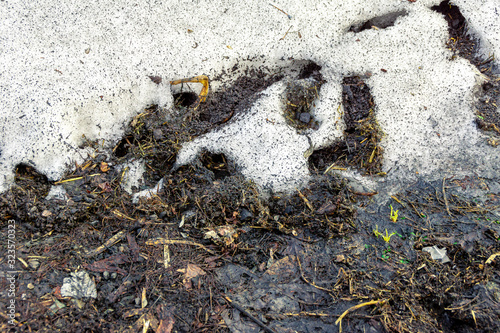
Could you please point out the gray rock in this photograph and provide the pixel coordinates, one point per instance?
(305, 117)
(245, 214)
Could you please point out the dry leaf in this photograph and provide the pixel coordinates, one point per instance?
(106, 187)
(190, 272)
(166, 319)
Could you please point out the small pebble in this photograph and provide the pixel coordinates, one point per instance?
(305, 117)
(114, 275)
(105, 275)
(46, 213)
(31, 286)
(245, 214)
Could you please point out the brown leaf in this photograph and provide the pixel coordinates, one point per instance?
(109, 264)
(133, 312)
(193, 271)
(46, 213)
(155, 79)
(134, 248)
(190, 272)
(106, 187)
(327, 208)
(121, 289)
(166, 319)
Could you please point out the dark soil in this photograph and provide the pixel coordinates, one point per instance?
(208, 254)
(360, 148)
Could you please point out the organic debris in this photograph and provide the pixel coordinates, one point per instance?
(206, 253)
(300, 97)
(463, 45)
(360, 148)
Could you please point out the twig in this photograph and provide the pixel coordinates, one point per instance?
(249, 315)
(463, 306)
(77, 178)
(303, 197)
(333, 167)
(446, 200)
(163, 241)
(110, 242)
(281, 10)
(397, 200)
(367, 194)
(339, 321)
(286, 33)
(416, 211)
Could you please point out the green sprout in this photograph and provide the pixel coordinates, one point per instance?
(387, 237)
(386, 253)
(394, 215)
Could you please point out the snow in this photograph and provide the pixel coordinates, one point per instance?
(73, 71)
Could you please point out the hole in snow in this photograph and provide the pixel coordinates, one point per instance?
(217, 163)
(452, 15)
(378, 22)
(185, 99)
(26, 172)
(360, 148)
(300, 101)
(123, 146)
(311, 70)
(463, 45)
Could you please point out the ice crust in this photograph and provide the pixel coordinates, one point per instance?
(71, 69)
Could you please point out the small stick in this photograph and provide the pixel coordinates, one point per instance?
(203, 79)
(355, 308)
(446, 200)
(249, 315)
(333, 167)
(286, 33)
(397, 200)
(73, 179)
(163, 241)
(367, 194)
(281, 10)
(110, 242)
(303, 197)
(416, 211)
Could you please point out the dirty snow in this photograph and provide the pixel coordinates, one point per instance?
(73, 72)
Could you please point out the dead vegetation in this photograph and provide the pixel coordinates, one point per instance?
(360, 149)
(208, 254)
